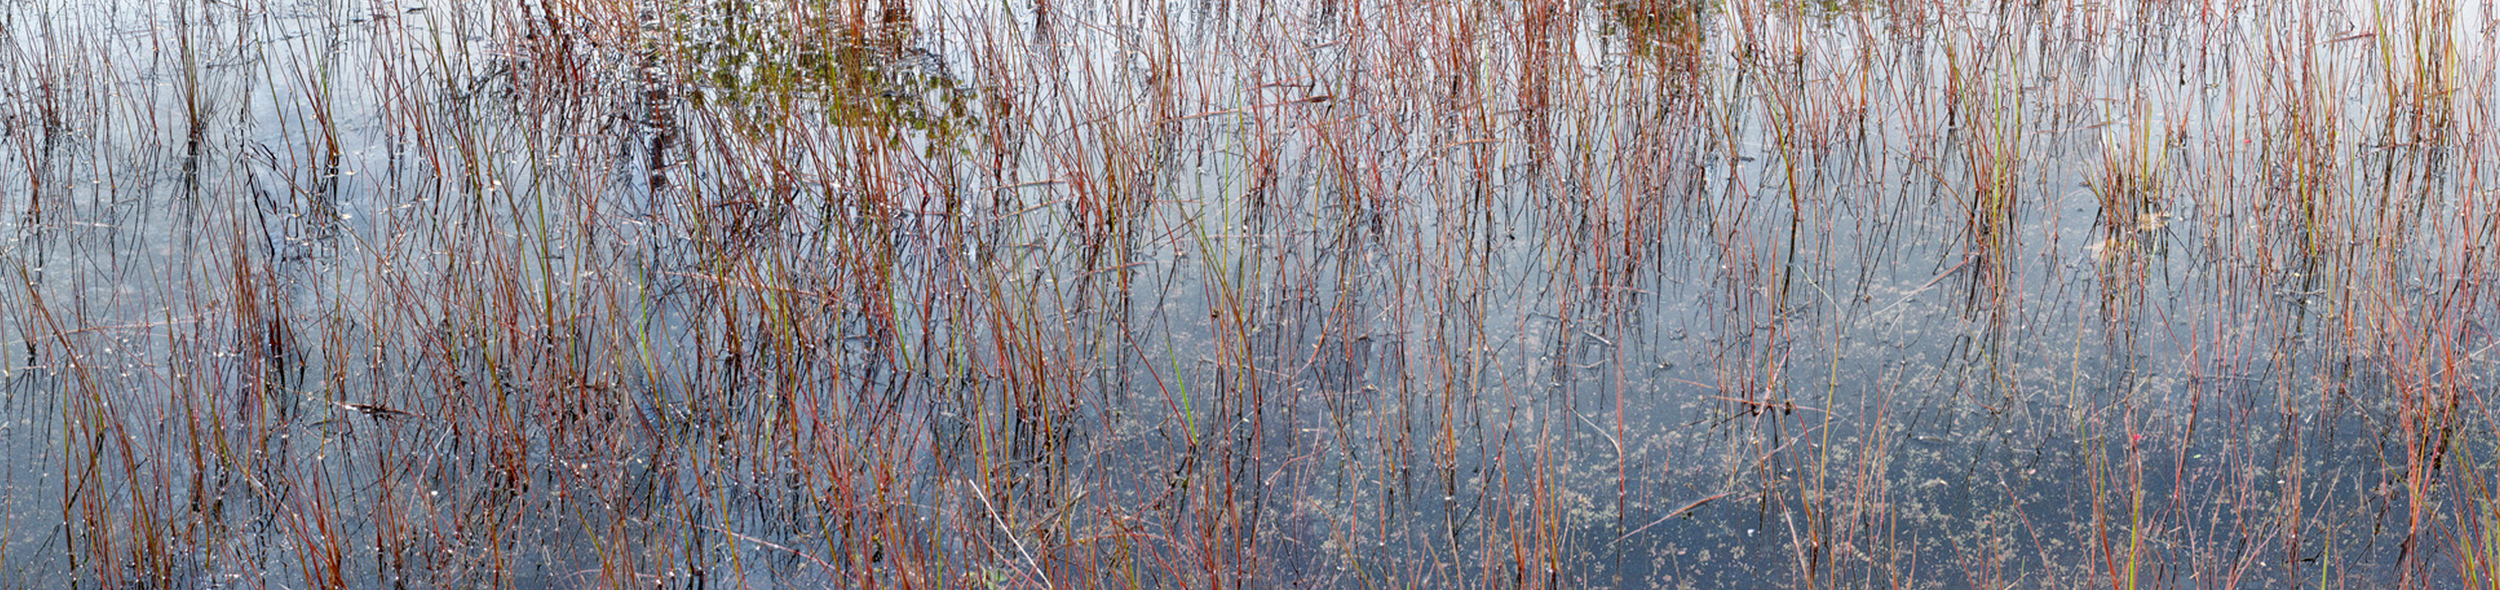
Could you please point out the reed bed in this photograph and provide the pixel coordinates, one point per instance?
(1221, 294)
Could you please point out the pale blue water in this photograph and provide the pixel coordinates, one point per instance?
(1195, 294)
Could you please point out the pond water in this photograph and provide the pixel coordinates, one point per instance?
(1211, 294)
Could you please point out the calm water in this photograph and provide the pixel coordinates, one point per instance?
(688, 294)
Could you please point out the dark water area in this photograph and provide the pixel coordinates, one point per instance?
(1211, 294)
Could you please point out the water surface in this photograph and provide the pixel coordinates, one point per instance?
(1215, 294)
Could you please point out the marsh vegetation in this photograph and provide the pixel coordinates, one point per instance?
(1224, 294)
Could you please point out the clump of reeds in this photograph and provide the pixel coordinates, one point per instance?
(2417, 48)
(2128, 186)
(1668, 34)
(1987, 114)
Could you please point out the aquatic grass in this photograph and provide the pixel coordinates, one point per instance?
(2476, 533)
(2305, 140)
(2417, 61)
(1987, 117)
(2132, 215)
(872, 294)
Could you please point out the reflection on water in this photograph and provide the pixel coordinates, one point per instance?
(1336, 293)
